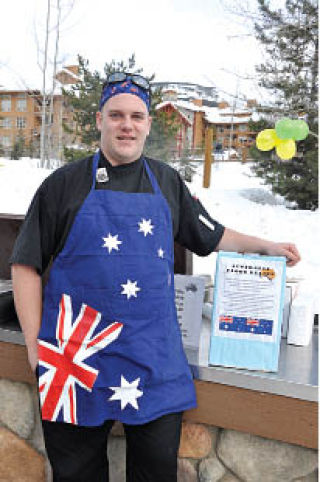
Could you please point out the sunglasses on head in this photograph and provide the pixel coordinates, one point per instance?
(136, 79)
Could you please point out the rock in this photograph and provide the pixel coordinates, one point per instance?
(36, 438)
(228, 477)
(254, 458)
(117, 429)
(211, 470)
(48, 470)
(18, 461)
(117, 458)
(313, 477)
(195, 441)
(16, 407)
(214, 432)
(186, 471)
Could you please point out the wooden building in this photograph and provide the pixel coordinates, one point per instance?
(230, 126)
(20, 116)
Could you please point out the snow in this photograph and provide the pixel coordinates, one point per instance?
(240, 201)
(18, 182)
(235, 198)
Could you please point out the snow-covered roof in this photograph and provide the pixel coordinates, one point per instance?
(70, 73)
(215, 118)
(228, 111)
(173, 104)
(184, 104)
(213, 115)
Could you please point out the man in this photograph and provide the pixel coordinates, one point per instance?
(106, 344)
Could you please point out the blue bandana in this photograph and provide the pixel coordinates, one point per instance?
(126, 87)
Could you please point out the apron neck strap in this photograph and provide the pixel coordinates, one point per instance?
(152, 178)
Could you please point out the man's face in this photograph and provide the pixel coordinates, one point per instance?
(124, 124)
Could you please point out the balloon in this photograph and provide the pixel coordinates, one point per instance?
(266, 140)
(285, 128)
(300, 130)
(286, 149)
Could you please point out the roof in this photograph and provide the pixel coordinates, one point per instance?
(174, 106)
(213, 115)
(215, 118)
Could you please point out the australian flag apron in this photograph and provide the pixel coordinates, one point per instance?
(109, 344)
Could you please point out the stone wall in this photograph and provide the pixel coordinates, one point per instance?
(206, 454)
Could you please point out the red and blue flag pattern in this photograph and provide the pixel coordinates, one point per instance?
(240, 324)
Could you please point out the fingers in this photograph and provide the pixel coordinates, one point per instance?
(291, 253)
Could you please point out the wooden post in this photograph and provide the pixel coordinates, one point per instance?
(208, 156)
(244, 154)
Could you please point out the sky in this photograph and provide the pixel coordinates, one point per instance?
(197, 41)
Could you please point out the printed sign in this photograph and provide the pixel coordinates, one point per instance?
(247, 311)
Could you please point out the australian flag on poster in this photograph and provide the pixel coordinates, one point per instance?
(240, 324)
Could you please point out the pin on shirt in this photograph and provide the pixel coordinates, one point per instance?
(102, 175)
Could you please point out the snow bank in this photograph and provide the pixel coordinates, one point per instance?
(18, 182)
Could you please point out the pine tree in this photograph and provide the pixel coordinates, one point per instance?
(290, 37)
(84, 98)
(18, 146)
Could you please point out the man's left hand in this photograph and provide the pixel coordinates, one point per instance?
(289, 250)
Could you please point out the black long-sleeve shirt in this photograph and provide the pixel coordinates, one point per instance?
(58, 199)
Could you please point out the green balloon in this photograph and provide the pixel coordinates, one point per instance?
(284, 128)
(300, 130)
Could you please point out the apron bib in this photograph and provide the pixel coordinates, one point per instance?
(110, 345)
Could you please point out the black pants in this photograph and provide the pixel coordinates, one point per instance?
(79, 454)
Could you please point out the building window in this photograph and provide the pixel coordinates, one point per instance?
(5, 103)
(21, 105)
(5, 141)
(242, 127)
(5, 122)
(21, 122)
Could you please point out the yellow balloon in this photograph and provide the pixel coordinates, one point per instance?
(266, 139)
(286, 149)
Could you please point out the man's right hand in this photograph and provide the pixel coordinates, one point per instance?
(33, 356)
(27, 290)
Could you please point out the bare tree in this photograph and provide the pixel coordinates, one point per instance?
(54, 83)
(49, 69)
(44, 97)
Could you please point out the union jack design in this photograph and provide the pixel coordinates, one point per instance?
(252, 322)
(65, 362)
(225, 319)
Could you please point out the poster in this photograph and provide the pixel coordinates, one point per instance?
(247, 311)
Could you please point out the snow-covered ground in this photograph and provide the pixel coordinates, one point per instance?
(18, 182)
(235, 198)
(240, 201)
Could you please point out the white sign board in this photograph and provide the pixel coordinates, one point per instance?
(247, 311)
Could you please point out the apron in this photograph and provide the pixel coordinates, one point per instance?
(110, 345)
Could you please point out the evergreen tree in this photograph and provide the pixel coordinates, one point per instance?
(161, 142)
(290, 37)
(32, 148)
(84, 98)
(18, 146)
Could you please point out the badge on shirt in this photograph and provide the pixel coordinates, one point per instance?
(102, 175)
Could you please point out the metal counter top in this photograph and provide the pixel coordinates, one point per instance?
(297, 376)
